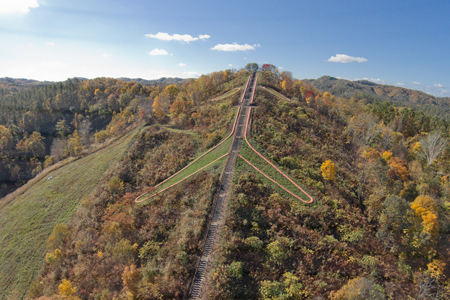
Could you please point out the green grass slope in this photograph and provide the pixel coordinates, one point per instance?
(202, 162)
(27, 221)
(255, 159)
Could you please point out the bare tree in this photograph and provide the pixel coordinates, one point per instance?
(387, 138)
(429, 288)
(364, 128)
(57, 149)
(432, 146)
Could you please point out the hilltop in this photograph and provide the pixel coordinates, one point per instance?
(377, 226)
(154, 82)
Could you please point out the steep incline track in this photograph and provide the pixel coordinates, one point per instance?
(220, 204)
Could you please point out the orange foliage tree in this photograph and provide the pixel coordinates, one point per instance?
(398, 169)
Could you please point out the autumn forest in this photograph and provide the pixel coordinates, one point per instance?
(376, 164)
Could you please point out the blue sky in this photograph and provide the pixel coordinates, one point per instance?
(403, 43)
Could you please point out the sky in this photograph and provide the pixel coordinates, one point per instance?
(404, 42)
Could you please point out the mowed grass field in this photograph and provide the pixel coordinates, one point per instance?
(27, 221)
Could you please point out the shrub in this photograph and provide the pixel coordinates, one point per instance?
(115, 186)
(235, 270)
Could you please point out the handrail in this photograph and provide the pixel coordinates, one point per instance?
(254, 88)
(245, 89)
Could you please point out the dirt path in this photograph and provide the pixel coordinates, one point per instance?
(217, 221)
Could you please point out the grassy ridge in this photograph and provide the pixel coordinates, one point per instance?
(270, 90)
(261, 164)
(208, 158)
(227, 94)
(27, 221)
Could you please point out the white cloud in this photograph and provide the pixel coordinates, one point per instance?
(50, 44)
(344, 58)
(234, 47)
(17, 6)
(157, 51)
(438, 85)
(376, 80)
(230, 65)
(416, 83)
(177, 37)
(181, 65)
(400, 84)
(191, 74)
(106, 55)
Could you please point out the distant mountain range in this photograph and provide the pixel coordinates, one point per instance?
(162, 80)
(401, 97)
(20, 84)
(439, 106)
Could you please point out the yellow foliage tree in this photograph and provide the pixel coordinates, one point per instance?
(130, 278)
(74, 144)
(436, 268)
(425, 208)
(172, 90)
(157, 108)
(359, 288)
(328, 170)
(387, 155)
(177, 108)
(66, 290)
(327, 98)
(417, 147)
(284, 85)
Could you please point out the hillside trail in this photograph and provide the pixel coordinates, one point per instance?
(200, 283)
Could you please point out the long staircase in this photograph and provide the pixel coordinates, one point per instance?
(217, 220)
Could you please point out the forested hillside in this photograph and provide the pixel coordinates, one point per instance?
(400, 97)
(379, 226)
(13, 85)
(42, 125)
(162, 80)
(115, 107)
